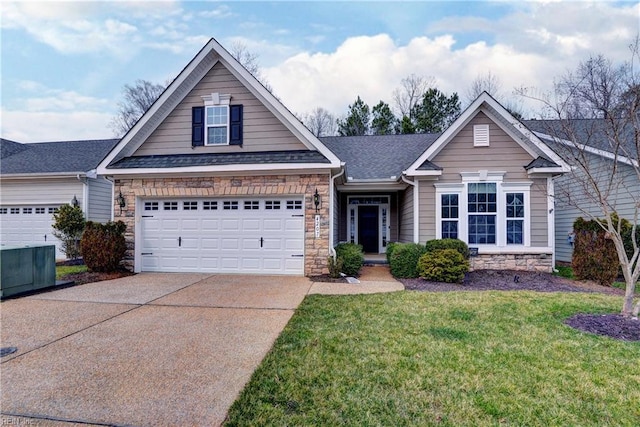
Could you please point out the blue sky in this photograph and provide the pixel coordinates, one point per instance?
(64, 63)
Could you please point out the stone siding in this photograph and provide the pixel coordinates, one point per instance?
(316, 249)
(527, 262)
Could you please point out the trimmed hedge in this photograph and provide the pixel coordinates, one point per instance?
(456, 244)
(594, 256)
(404, 258)
(443, 265)
(352, 258)
(103, 245)
(390, 248)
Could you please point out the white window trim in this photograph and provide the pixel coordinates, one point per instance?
(502, 188)
(216, 100)
(384, 204)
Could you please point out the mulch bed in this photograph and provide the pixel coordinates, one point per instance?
(611, 325)
(88, 277)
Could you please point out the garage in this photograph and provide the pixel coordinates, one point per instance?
(28, 225)
(231, 235)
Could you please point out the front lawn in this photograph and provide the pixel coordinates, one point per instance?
(453, 358)
(64, 270)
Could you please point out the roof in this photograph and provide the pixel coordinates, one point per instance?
(210, 159)
(378, 157)
(591, 132)
(541, 162)
(53, 157)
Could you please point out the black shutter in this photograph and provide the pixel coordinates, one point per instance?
(197, 126)
(235, 123)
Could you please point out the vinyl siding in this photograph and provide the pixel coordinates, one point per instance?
(405, 232)
(262, 131)
(503, 154)
(566, 212)
(99, 209)
(40, 191)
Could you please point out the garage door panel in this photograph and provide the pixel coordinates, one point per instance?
(28, 225)
(225, 240)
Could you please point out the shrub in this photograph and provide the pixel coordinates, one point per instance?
(335, 266)
(390, 248)
(457, 244)
(352, 258)
(404, 259)
(443, 265)
(68, 226)
(594, 256)
(103, 245)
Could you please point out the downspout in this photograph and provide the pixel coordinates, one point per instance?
(416, 210)
(85, 196)
(113, 196)
(332, 251)
(551, 219)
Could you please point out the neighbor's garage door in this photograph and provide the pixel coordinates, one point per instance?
(263, 235)
(28, 225)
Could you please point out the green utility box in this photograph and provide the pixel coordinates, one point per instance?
(26, 268)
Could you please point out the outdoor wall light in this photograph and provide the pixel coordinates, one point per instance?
(121, 201)
(316, 200)
(74, 201)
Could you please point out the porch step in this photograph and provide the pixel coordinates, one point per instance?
(375, 259)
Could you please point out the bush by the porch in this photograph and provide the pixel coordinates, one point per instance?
(68, 226)
(403, 261)
(456, 244)
(443, 265)
(103, 245)
(391, 246)
(352, 258)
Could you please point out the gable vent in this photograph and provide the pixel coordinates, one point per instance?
(481, 135)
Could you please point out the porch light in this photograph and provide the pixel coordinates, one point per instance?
(316, 200)
(121, 201)
(74, 201)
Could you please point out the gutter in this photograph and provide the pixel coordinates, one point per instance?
(416, 208)
(332, 251)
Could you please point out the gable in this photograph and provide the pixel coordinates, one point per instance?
(503, 152)
(262, 131)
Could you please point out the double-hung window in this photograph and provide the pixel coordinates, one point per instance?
(515, 218)
(217, 124)
(449, 212)
(482, 212)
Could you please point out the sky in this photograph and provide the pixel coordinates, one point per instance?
(64, 64)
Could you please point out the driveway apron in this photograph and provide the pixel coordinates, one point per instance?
(146, 350)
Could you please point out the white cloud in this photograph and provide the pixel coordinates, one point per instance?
(222, 11)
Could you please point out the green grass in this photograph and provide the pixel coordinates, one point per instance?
(453, 359)
(564, 271)
(63, 270)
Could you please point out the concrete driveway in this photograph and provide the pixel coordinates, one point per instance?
(146, 350)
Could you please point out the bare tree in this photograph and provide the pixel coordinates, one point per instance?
(410, 92)
(489, 83)
(136, 100)
(249, 60)
(320, 122)
(596, 129)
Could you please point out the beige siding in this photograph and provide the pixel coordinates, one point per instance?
(262, 131)
(427, 211)
(100, 191)
(405, 233)
(40, 191)
(504, 154)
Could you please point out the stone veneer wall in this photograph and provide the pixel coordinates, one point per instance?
(528, 262)
(316, 249)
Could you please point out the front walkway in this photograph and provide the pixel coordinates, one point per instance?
(373, 279)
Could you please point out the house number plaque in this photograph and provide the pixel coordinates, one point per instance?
(317, 226)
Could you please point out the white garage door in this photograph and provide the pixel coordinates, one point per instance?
(28, 225)
(264, 235)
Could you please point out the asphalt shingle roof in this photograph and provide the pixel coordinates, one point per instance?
(541, 162)
(53, 157)
(211, 159)
(378, 156)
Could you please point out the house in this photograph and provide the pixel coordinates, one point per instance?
(36, 179)
(586, 141)
(218, 176)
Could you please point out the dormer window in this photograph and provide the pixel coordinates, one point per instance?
(217, 122)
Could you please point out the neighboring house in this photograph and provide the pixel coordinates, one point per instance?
(574, 195)
(36, 179)
(218, 176)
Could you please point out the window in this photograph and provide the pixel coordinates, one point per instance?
(251, 205)
(170, 206)
(449, 214)
(39, 210)
(210, 205)
(515, 218)
(150, 206)
(52, 210)
(3, 211)
(294, 204)
(190, 206)
(217, 125)
(230, 206)
(272, 204)
(15, 211)
(27, 210)
(482, 210)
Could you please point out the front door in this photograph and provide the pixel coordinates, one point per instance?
(368, 228)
